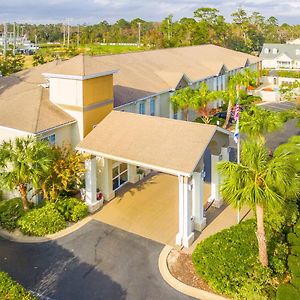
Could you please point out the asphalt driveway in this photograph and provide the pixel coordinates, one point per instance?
(96, 262)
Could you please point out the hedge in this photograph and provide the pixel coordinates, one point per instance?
(11, 290)
(228, 262)
(10, 212)
(72, 209)
(42, 221)
(287, 292)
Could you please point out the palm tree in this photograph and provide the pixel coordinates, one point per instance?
(293, 147)
(201, 100)
(235, 83)
(259, 181)
(23, 162)
(182, 99)
(255, 122)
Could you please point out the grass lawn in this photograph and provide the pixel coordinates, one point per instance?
(91, 49)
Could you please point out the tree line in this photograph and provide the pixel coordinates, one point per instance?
(246, 32)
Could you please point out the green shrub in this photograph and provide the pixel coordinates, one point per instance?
(278, 252)
(296, 282)
(42, 221)
(11, 290)
(228, 261)
(278, 218)
(287, 292)
(72, 209)
(294, 265)
(10, 212)
(293, 239)
(295, 250)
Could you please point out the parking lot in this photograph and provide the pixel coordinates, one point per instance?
(281, 106)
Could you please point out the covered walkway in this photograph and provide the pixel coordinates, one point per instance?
(124, 144)
(148, 208)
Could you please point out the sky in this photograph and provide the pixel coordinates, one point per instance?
(94, 11)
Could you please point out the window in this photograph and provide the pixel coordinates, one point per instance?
(50, 139)
(120, 175)
(142, 108)
(152, 107)
(266, 50)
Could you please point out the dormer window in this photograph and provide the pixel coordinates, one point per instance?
(275, 51)
(266, 51)
(297, 51)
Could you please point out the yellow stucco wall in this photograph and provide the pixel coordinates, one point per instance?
(98, 89)
(95, 116)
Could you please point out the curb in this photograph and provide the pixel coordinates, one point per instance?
(178, 285)
(51, 237)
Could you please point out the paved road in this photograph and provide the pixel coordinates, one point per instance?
(96, 262)
(281, 106)
(290, 128)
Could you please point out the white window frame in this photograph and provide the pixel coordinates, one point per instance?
(152, 107)
(142, 104)
(118, 176)
(51, 138)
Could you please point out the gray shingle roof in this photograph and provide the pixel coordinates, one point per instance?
(288, 49)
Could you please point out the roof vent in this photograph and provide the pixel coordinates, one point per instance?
(275, 51)
(267, 51)
(297, 51)
(44, 85)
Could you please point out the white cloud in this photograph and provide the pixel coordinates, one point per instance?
(92, 11)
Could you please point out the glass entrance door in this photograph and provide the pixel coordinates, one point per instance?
(119, 174)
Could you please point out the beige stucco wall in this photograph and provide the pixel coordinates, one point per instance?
(64, 136)
(10, 133)
(66, 91)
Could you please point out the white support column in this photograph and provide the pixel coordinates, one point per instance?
(147, 106)
(185, 235)
(133, 177)
(171, 111)
(107, 180)
(225, 154)
(198, 203)
(90, 185)
(157, 106)
(179, 235)
(215, 182)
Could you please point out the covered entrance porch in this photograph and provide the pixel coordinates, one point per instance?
(167, 146)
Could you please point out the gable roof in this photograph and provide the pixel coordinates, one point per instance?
(141, 74)
(287, 49)
(167, 145)
(25, 106)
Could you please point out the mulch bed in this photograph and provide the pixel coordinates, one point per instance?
(181, 267)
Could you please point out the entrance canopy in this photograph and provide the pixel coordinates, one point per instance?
(170, 146)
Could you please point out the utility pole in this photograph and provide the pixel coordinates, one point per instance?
(139, 40)
(15, 40)
(4, 39)
(35, 42)
(78, 36)
(169, 36)
(68, 33)
(64, 41)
